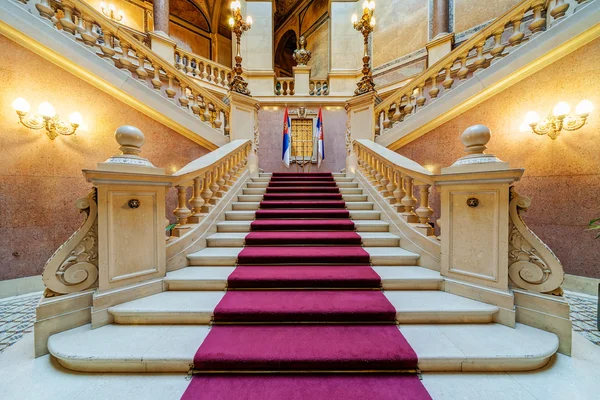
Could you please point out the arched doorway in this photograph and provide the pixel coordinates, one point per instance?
(284, 54)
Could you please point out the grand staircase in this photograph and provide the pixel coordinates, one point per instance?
(303, 275)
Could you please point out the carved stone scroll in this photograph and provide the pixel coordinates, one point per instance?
(532, 265)
(74, 266)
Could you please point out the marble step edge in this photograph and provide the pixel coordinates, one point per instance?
(361, 226)
(215, 278)
(256, 191)
(170, 348)
(237, 239)
(246, 215)
(228, 256)
(255, 205)
(197, 307)
(253, 198)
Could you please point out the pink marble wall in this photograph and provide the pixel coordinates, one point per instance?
(40, 179)
(270, 123)
(562, 176)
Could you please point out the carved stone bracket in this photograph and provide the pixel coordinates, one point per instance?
(532, 265)
(74, 266)
(256, 139)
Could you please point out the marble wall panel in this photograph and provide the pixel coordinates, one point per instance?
(318, 44)
(562, 176)
(347, 44)
(133, 14)
(469, 13)
(259, 43)
(190, 41)
(270, 123)
(402, 28)
(40, 179)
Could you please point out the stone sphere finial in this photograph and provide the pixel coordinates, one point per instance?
(475, 138)
(130, 138)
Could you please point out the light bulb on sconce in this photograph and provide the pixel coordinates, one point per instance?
(354, 19)
(46, 118)
(235, 5)
(111, 12)
(238, 26)
(558, 120)
(231, 22)
(372, 22)
(249, 20)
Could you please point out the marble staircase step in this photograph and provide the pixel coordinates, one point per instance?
(255, 205)
(236, 239)
(214, 256)
(248, 215)
(215, 278)
(171, 348)
(197, 307)
(361, 226)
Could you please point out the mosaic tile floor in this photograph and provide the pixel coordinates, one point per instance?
(17, 315)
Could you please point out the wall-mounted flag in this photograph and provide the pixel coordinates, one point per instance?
(287, 138)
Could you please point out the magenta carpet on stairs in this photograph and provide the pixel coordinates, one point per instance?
(304, 317)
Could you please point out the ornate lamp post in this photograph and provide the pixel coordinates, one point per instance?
(238, 26)
(365, 26)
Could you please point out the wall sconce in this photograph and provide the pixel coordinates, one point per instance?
(46, 118)
(111, 12)
(558, 119)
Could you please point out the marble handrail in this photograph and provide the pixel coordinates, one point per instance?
(480, 51)
(128, 51)
(203, 69)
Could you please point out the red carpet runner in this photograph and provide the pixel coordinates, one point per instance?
(304, 302)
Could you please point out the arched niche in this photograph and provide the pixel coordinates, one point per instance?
(284, 54)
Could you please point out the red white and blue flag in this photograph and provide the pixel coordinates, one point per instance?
(320, 139)
(287, 138)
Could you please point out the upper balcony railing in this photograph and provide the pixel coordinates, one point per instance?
(206, 71)
(506, 33)
(128, 50)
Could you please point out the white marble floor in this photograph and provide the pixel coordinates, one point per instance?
(24, 378)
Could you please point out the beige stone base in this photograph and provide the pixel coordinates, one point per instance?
(19, 286)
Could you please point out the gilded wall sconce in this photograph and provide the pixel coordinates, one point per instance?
(46, 118)
(111, 12)
(558, 119)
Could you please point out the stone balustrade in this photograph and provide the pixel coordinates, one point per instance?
(399, 180)
(203, 69)
(319, 87)
(210, 177)
(503, 35)
(284, 86)
(128, 50)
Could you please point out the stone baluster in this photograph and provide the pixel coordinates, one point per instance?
(219, 79)
(383, 181)
(409, 200)
(87, 36)
(386, 119)
(141, 72)
(182, 212)
(226, 128)
(156, 82)
(559, 10)
(206, 193)
(435, 90)
(124, 60)
(498, 48)
(464, 70)
(373, 169)
(195, 107)
(204, 73)
(179, 61)
(448, 81)
(420, 97)
(480, 59)
(408, 108)
(399, 193)
(424, 212)
(217, 122)
(170, 91)
(391, 184)
(196, 70)
(538, 23)
(207, 113)
(397, 116)
(227, 175)
(45, 9)
(214, 186)
(183, 99)
(107, 47)
(196, 202)
(517, 36)
(67, 20)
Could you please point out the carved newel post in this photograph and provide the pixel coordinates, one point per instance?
(131, 221)
(474, 214)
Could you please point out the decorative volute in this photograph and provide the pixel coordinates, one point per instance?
(130, 140)
(475, 138)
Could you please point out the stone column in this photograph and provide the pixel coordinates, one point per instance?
(440, 17)
(441, 39)
(161, 15)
